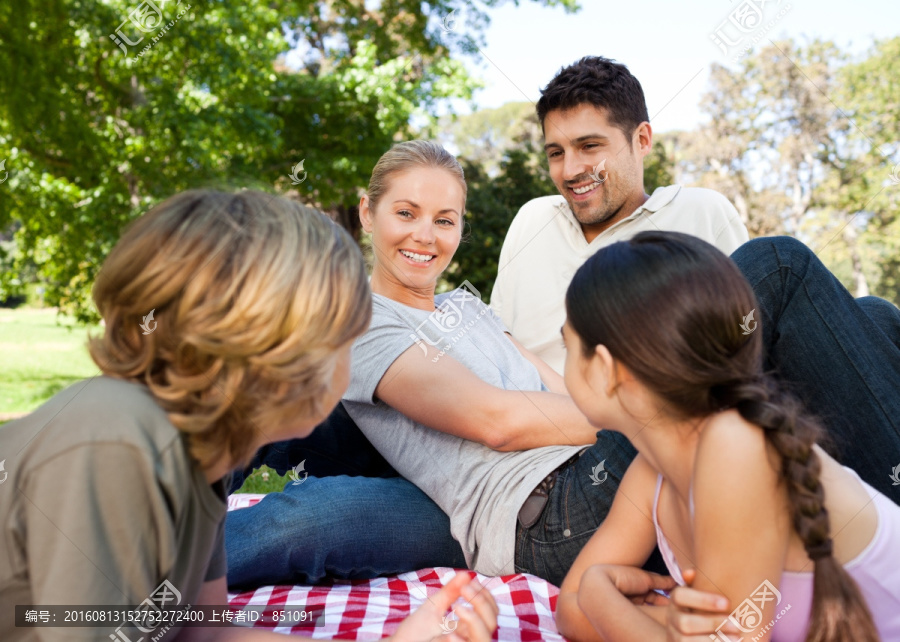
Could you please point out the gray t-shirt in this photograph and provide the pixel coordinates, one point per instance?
(103, 505)
(480, 489)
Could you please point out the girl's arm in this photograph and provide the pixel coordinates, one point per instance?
(447, 396)
(593, 598)
(742, 524)
(695, 615)
(620, 603)
(549, 376)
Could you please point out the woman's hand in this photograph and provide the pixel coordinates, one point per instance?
(695, 615)
(477, 621)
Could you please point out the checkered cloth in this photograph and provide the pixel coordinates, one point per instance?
(372, 609)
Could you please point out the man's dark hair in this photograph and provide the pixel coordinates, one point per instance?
(600, 82)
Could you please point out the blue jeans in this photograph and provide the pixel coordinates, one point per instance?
(840, 355)
(340, 527)
(575, 509)
(354, 517)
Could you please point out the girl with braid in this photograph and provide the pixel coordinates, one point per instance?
(764, 534)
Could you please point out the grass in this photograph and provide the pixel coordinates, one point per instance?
(44, 353)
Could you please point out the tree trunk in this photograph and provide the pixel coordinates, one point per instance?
(859, 277)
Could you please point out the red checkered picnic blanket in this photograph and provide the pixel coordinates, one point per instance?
(372, 609)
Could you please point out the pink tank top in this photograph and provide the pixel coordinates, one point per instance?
(876, 571)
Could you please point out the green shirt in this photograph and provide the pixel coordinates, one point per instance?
(101, 504)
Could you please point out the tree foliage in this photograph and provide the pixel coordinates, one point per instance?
(93, 137)
(802, 140)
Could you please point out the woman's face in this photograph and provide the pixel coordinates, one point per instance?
(417, 226)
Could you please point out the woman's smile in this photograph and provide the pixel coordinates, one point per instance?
(419, 259)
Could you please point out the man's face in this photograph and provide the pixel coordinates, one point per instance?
(580, 142)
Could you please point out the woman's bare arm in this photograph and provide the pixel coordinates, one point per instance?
(447, 396)
(551, 378)
(618, 602)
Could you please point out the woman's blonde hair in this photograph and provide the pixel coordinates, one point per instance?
(251, 294)
(410, 155)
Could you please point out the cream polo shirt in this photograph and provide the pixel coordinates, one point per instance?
(545, 246)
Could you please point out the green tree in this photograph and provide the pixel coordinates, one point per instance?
(491, 205)
(484, 137)
(870, 94)
(94, 135)
(801, 140)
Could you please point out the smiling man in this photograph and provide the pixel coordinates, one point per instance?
(597, 134)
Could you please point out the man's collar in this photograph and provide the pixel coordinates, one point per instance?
(661, 197)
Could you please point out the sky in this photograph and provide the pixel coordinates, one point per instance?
(665, 44)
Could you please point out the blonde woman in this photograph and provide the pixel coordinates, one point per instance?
(229, 320)
(478, 423)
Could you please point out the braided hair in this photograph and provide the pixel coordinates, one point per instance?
(675, 311)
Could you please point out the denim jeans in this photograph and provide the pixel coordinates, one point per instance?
(578, 503)
(339, 527)
(353, 517)
(840, 355)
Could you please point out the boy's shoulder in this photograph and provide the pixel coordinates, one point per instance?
(92, 411)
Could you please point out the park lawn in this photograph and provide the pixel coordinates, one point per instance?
(41, 353)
